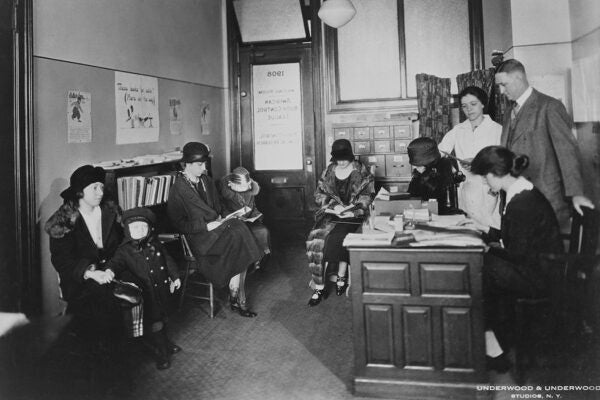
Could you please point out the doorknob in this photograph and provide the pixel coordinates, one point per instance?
(243, 93)
(308, 161)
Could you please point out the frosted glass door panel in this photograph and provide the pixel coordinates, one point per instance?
(277, 116)
(368, 52)
(437, 40)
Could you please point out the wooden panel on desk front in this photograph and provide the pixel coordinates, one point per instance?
(430, 301)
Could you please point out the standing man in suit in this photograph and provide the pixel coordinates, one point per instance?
(538, 126)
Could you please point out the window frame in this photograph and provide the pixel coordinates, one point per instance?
(331, 70)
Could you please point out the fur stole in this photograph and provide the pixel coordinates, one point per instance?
(63, 219)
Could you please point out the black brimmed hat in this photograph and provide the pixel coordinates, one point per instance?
(194, 152)
(423, 151)
(81, 178)
(341, 149)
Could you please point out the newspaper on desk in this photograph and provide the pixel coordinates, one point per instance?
(447, 230)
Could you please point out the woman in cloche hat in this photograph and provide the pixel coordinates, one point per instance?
(225, 249)
(344, 193)
(84, 233)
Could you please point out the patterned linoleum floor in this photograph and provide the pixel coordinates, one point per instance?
(290, 351)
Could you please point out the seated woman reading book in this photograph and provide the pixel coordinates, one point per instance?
(344, 193)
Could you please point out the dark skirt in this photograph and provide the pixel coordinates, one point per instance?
(231, 254)
(261, 235)
(97, 311)
(334, 252)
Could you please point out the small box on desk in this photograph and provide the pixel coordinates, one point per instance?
(393, 207)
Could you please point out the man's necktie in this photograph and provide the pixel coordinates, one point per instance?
(514, 110)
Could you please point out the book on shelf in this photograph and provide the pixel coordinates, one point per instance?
(139, 191)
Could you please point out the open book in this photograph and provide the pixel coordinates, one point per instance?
(251, 219)
(340, 212)
(236, 214)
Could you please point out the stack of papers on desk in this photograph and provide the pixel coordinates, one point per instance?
(446, 237)
(369, 238)
(386, 195)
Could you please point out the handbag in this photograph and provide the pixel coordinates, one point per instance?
(127, 291)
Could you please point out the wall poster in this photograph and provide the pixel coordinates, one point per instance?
(79, 117)
(277, 116)
(175, 117)
(136, 102)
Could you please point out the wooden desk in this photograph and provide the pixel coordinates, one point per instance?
(418, 322)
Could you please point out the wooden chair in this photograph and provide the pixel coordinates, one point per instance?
(563, 312)
(192, 278)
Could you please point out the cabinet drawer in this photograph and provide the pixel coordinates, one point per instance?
(381, 132)
(362, 147)
(382, 146)
(401, 145)
(362, 133)
(376, 164)
(402, 132)
(397, 165)
(342, 133)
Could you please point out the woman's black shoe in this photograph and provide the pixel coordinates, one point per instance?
(163, 363)
(500, 364)
(317, 296)
(242, 309)
(173, 348)
(341, 288)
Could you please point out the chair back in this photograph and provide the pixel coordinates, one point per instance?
(187, 251)
(584, 232)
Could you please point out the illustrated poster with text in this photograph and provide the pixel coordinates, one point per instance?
(136, 101)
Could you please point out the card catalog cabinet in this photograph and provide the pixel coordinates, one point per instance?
(381, 146)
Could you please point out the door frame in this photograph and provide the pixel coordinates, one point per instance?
(234, 44)
(20, 276)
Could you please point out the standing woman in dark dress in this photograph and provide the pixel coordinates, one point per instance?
(84, 233)
(434, 177)
(528, 229)
(224, 250)
(346, 182)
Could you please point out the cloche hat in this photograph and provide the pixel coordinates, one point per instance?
(81, 178)
(195, 151)
(239, 180)
(341, 149)
(423, 151)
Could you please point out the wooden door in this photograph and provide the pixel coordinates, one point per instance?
(277, 129)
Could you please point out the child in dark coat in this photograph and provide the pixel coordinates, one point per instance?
(142, 259)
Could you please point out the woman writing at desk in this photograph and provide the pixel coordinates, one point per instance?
(528, 228)
(344, 194)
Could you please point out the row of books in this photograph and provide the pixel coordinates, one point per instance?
(140, 191)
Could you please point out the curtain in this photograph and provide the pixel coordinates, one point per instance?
(484, 79)
(433, 99)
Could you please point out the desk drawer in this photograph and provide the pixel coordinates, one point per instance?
(401, 145)
(362, 147)
(376, 164)
(397, 165)
(362, 133)
(381, 132)
(402, 132)
(382, 146)
(342, 133)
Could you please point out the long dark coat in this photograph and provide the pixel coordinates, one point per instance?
(73, 251)
(150, 266)
(223, 252)
(542, 131)
(361, 193)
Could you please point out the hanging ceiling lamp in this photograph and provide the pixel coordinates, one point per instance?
(336, 13)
